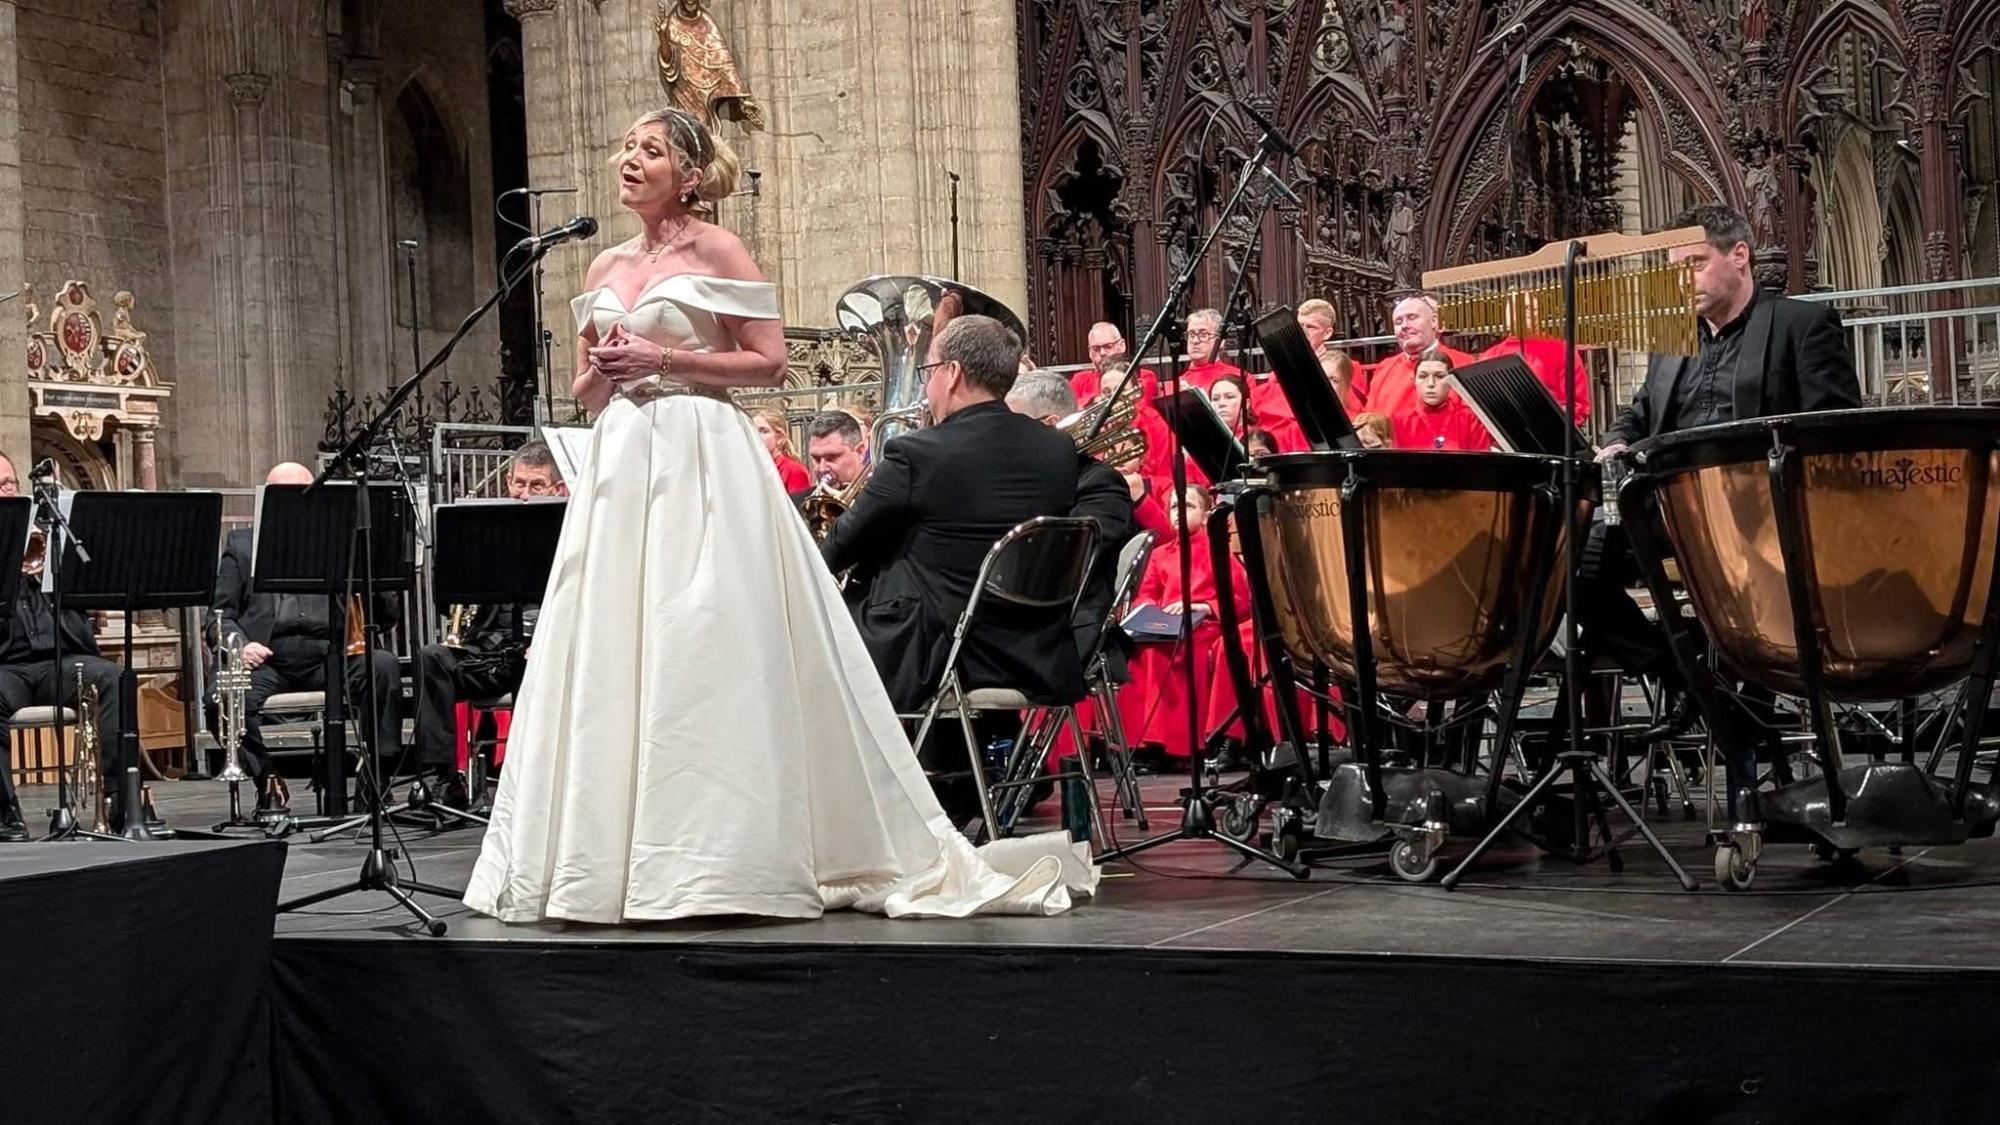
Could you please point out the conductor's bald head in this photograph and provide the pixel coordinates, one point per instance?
(290, 472)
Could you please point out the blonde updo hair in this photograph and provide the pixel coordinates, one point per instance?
(698, 149)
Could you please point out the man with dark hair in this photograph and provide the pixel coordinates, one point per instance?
(939, 498)
(837, 448)
(28, 678)
(487, 656)
(1760, 354)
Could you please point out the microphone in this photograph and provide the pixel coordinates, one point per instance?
(407, 245)
(1283, 188)
(1271, 135)
(583, 226)
(45, 469)
(537, 191)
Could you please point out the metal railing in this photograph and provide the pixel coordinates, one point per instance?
(1907, 352)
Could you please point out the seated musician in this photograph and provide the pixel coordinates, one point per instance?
(940, 497)
(1760, 354)
(1390, 387)
(286, 640)
(28, 678)
(1101, 495)
(492, 652)
(837, 447)
(1439, 419)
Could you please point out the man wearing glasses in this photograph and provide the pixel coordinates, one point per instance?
(487, 658)
(1204, 345)
(938, 500)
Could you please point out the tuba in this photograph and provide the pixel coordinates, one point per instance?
(898, 315)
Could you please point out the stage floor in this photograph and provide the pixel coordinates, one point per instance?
(1927, 908)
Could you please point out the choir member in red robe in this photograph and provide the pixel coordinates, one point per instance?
(771, 426)
(1106, 346)
(1439, 419)
(1204, 344)
(1390, 387)
(1155, 705)
(1316, 320)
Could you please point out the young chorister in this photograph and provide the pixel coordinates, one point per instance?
(1155, 705)
(1438, 419)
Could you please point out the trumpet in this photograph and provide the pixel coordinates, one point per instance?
(87, 776)
(232, 687)
(457, 620)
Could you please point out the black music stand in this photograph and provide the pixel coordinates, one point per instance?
(318, 539)
(1318, 410)
(150, 550)
(488, 552)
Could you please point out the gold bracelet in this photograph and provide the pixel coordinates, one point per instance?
(666, 364)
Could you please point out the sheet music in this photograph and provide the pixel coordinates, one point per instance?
(570, 445)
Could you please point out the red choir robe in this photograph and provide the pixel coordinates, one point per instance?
(1204, 375)
(793, 473)
(1222, 691)
(1452, 426)
(1274, 413)
(1154, 706)
(1390, 386)
(1545, 358)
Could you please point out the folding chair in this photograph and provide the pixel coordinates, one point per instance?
(1132, 558)
(1040, 565)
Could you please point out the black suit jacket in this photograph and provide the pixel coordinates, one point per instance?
(1794, 358)
(937, 502)
(30, 633)
(265, 618)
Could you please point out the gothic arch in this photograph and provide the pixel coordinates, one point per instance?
(1851, 236)
(430, 202)
(1826, 31)
(1659, 66)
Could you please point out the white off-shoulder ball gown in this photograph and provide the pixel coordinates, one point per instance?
(700, 730)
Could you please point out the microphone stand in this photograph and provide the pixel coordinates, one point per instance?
(1198, 810)
(378, 869)
(58, 539)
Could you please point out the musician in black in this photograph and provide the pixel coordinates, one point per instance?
(1760, 354)
(938, 500)
(490, 654)
(286, 640)
(28, 678)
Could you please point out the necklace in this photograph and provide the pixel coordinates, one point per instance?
(654, 255)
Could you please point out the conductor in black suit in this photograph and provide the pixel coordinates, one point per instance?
(938, 501)
(286, 641)
(1760, 354)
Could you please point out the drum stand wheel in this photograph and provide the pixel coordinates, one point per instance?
(1240, 814)
(1287, 832)
(1736, 860)
(1414, 860)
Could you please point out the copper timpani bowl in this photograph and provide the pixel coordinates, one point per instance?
(1900, 509)
(1453, 543)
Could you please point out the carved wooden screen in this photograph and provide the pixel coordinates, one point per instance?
(1410, 116)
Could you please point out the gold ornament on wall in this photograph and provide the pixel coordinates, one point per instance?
(696, 68)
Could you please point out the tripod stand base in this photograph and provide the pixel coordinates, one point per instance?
(1198, 823)
(1586, 769)
(378, 873)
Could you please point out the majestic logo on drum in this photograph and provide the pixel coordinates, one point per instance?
(1299, 510)
(1906, 473)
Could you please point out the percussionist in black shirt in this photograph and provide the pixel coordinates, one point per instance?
(1760, 354)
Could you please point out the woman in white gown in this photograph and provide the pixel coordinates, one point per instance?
(701, 730)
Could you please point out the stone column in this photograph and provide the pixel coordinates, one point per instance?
(249, 161)
(13, 263)
(368, 271)
(550, 78)
(145, 458)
